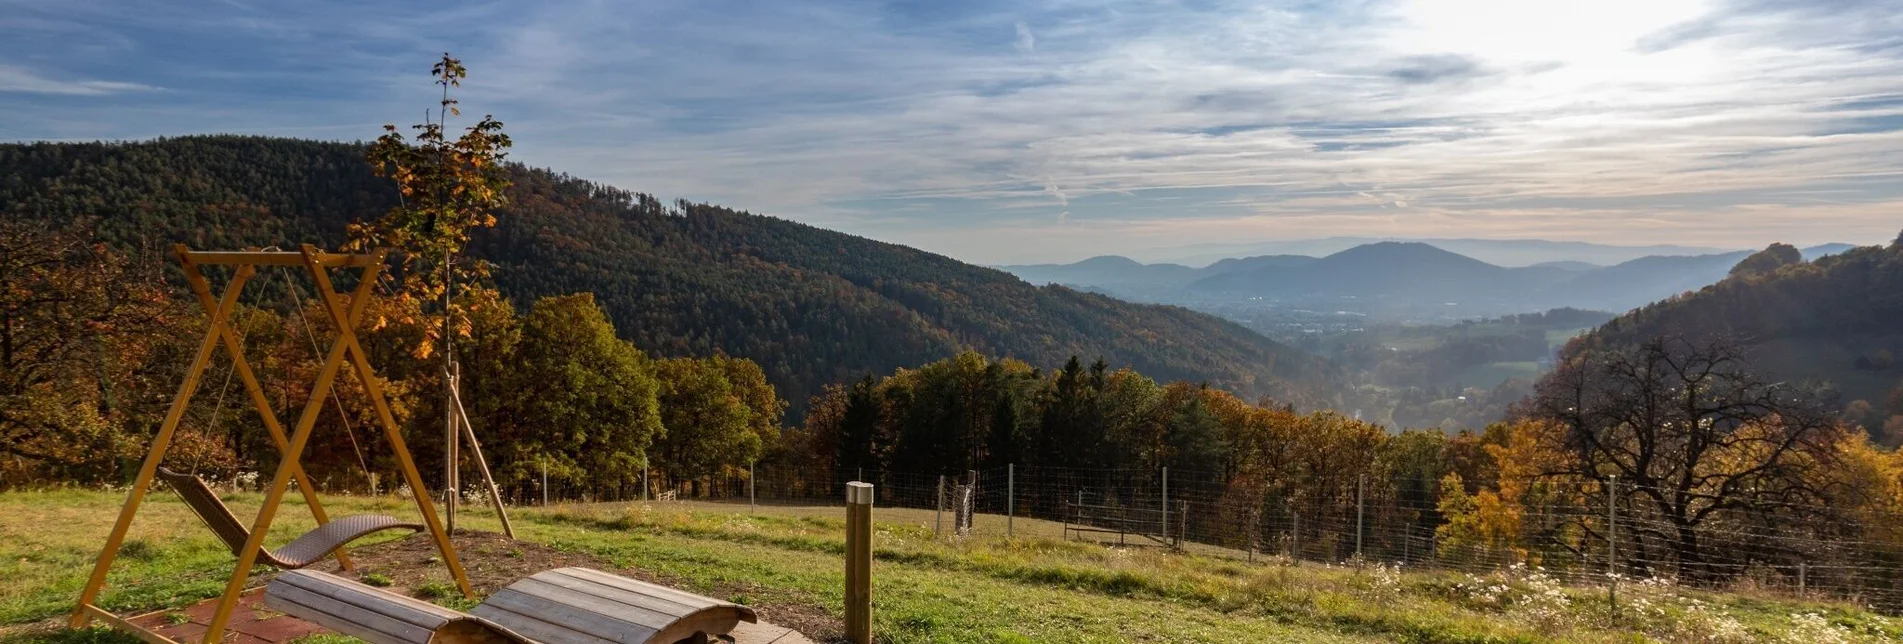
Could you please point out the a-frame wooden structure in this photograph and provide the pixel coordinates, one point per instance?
(218, 310)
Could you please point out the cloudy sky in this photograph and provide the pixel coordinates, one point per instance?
(1051, 131)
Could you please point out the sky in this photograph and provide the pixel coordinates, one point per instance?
(1032, 131)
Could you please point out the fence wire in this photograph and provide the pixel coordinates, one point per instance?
(1347, 520)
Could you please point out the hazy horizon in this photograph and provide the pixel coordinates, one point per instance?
(1008, 133)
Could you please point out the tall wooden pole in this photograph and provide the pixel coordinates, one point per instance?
(859, 562)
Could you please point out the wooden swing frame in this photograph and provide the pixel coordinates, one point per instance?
(218, 310)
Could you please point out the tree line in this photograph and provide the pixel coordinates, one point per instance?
(94, 341)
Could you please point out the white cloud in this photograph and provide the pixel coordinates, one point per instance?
(19, 79)
(1152, 122)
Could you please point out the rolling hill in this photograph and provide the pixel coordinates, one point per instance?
(1834, 319)
(812, 306)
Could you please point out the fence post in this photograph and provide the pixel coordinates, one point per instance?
(1612, 543)
(644, 484)
(1010, 497)
(1361, 489)
(1800, 579)
(859, 562)
(545, 482)
(938, 518)
(752, 501)
(1182, 523)
(1294, 535)
(1166, 503)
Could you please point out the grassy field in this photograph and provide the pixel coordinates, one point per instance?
(985, 589)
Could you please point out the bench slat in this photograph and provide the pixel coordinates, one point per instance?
(343, 618)
(595, 619)
(637, 614)
(681, 597)
(383, 602)
(534, 628)
(614, 598)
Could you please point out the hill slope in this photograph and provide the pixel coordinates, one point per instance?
(811, 306)
(1836, 319)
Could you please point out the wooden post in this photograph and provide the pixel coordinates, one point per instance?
(452, 492)
(1010, 497)
(1800, 579)
(938, 518)
(752, 501)
(859, 562)
(544, 481)
(475, 451)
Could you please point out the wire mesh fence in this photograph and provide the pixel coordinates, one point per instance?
(1586, 539)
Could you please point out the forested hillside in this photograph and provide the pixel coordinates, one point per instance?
(811, 306)
(1837, 319)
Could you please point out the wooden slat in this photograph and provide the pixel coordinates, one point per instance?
(396, 606)
(546, 586)
(681, 597)
(586, 615)
(332, 622)
(650, 613)
(361, 618)
(534, 628)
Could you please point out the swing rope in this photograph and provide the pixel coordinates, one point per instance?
(350, 429)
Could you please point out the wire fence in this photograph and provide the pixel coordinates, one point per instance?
(1589, 539)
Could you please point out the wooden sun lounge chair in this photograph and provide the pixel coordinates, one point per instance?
(561, 606)
(303, 551)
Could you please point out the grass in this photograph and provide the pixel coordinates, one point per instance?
(991, 589)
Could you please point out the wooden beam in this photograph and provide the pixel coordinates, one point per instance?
(278, 258)
(117, 622)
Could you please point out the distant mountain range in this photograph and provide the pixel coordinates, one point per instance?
(1403, 279)
(1500, 252)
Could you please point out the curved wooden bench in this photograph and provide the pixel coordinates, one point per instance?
(561, 606)
(305, 550)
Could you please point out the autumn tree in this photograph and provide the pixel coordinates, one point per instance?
(447, 189)
(1691, 432)
(77, 323)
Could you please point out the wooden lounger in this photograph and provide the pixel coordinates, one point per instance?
(305, 550)
(561, 606)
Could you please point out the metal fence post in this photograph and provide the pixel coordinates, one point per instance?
(1165, 523)
(1361, 494)
(1010, 497)
(1612, 542)
(859, 562)
(1294, 535)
